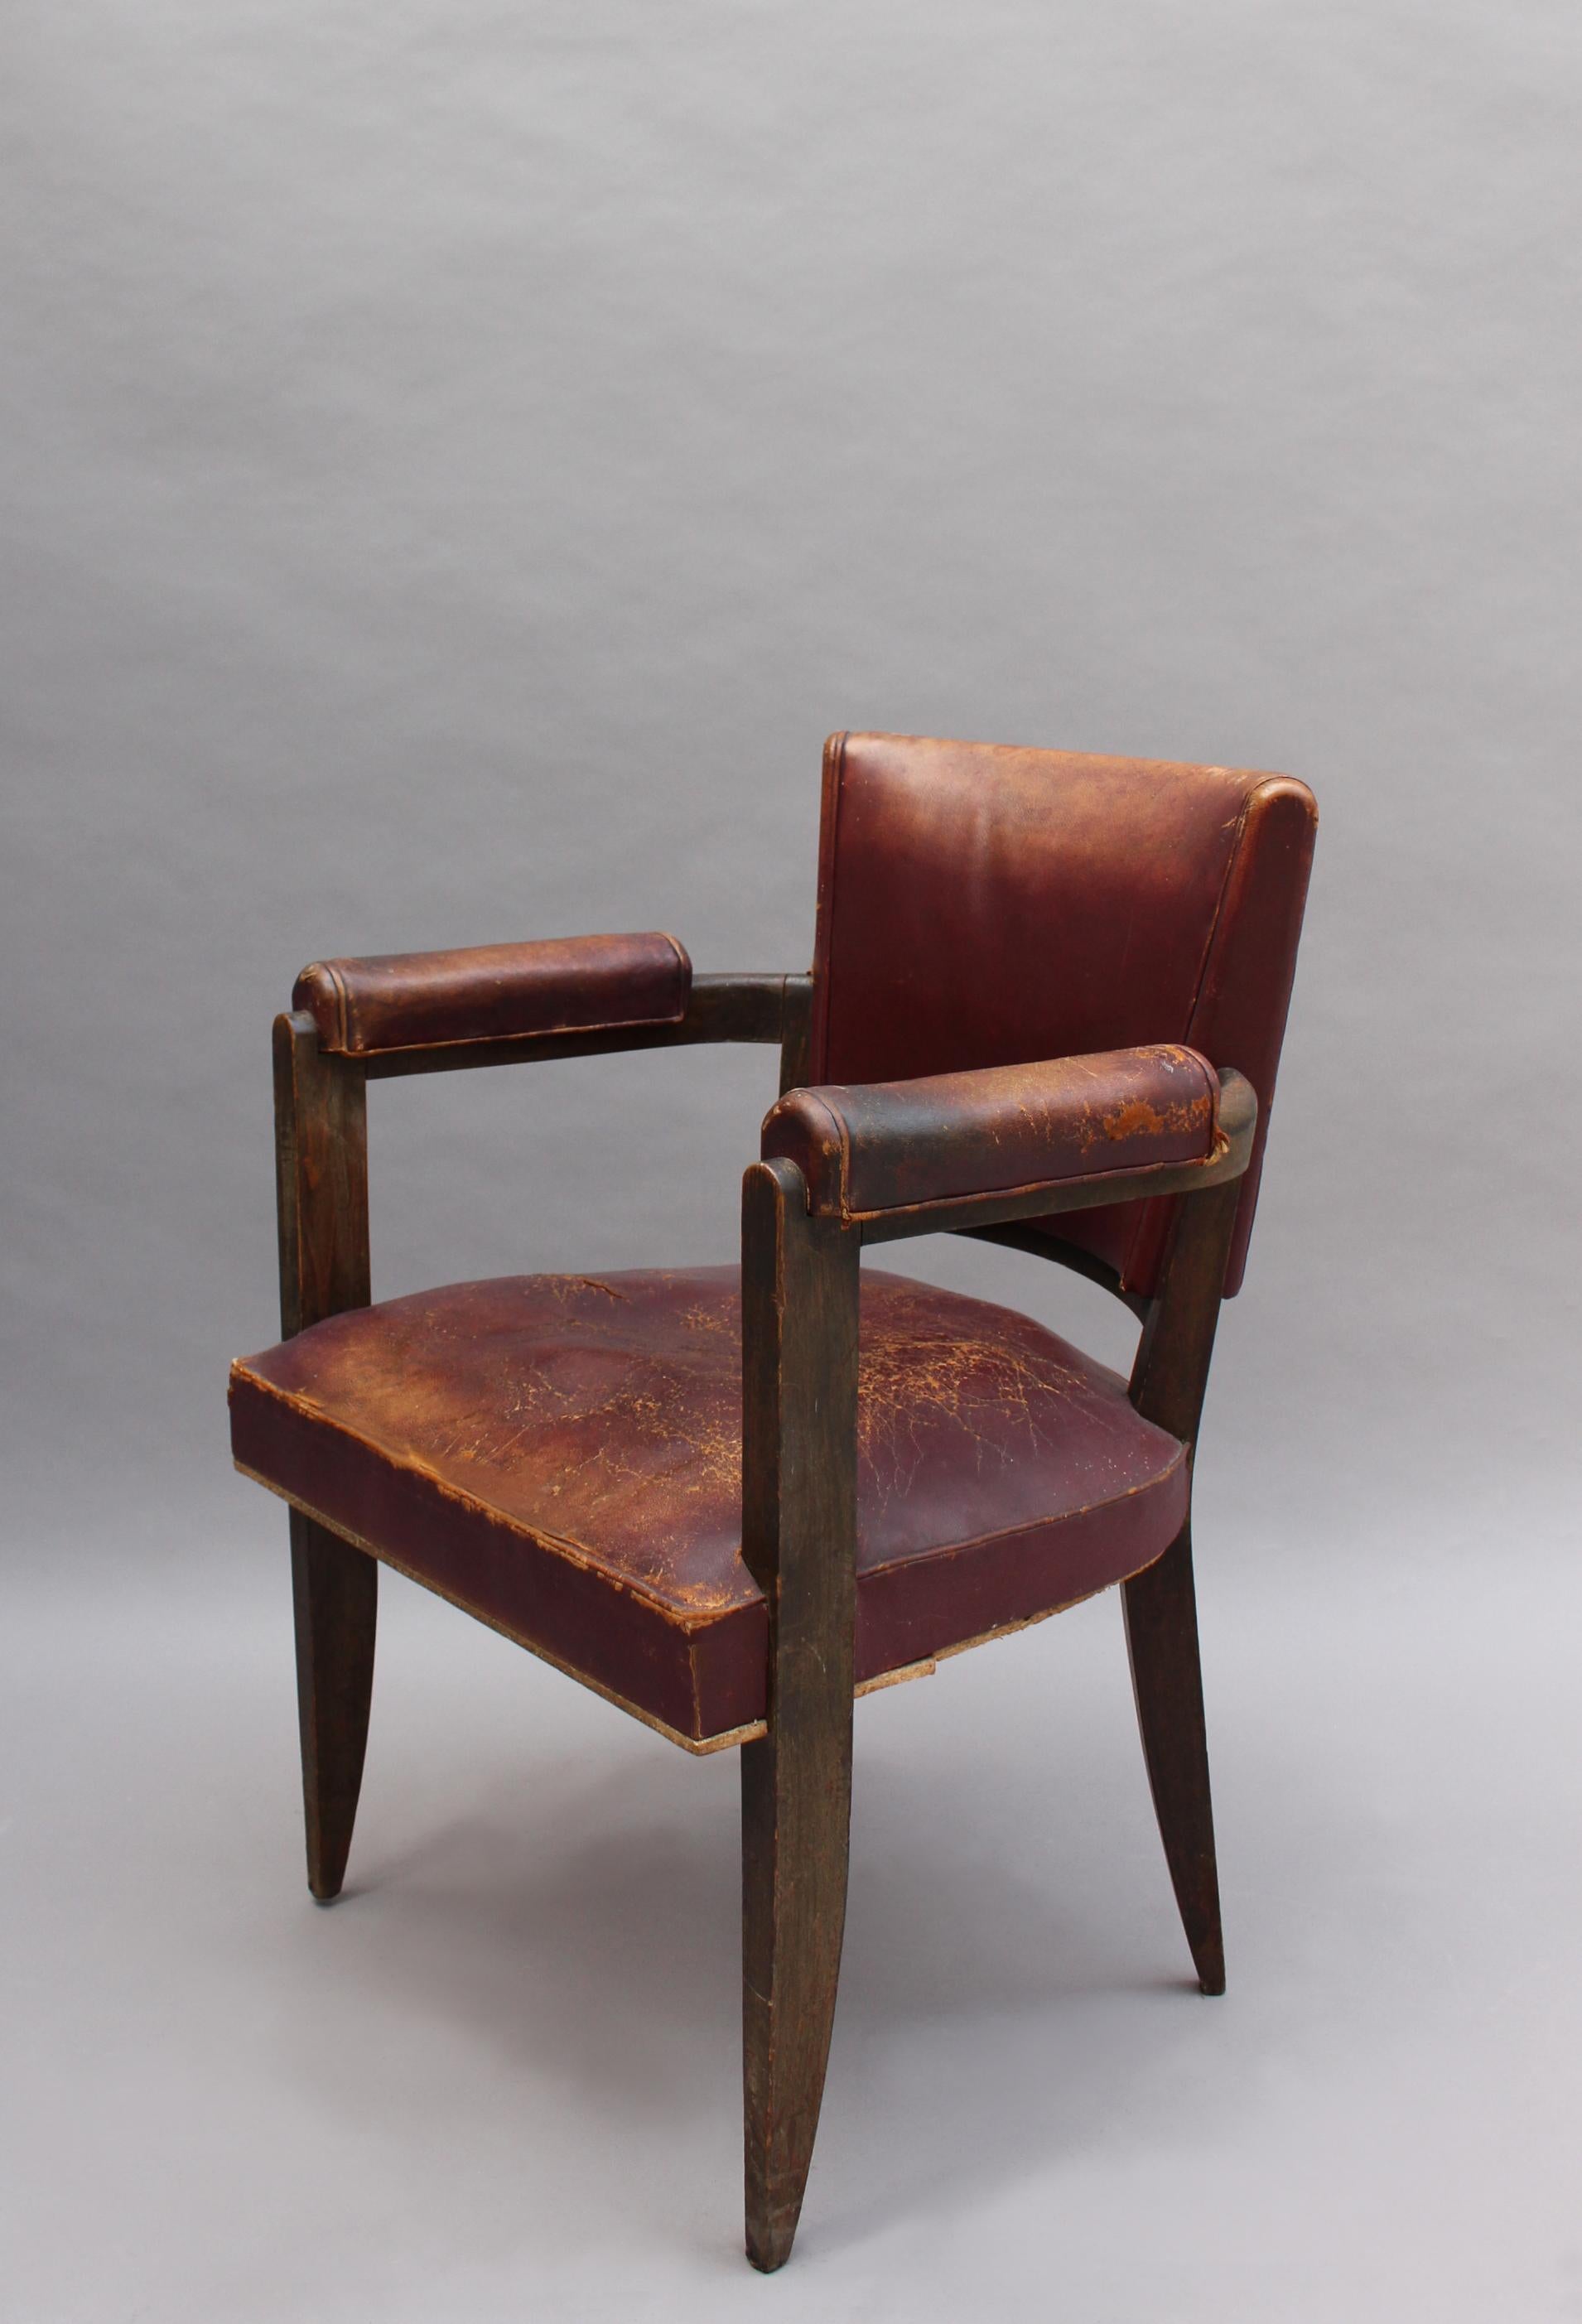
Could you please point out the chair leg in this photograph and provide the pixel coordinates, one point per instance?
(1161, 1640)
(335, 1592)
(796, 1813)
(799, 1283)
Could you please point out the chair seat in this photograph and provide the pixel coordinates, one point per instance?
(562, 1455)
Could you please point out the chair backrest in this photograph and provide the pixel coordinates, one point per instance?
(979, 906)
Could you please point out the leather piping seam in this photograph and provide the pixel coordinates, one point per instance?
(344, 1046)
(1125, 1180)
(843, 1136)
(1237, 836)
(341, 1044)
(824, 926)
(1230, 865)
(553, 1544)
(574, 1555)
(534, 1033)
(725, 1738)
(905, 1564)
(1218, 1145)
(1254, 796)
(700, 1746)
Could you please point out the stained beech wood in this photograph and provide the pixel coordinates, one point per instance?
(1169, 1380)
(1017, 1235)
(1168, 1383)
(796, 1033)
(799, 1539)
(321, 1176)
(335, 1595)
(1238, 1123)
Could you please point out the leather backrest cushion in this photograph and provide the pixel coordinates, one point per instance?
(983, 906)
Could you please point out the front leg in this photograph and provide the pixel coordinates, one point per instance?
(322, 1175)
(799, 1337)
(335, 1591)
(1168, 1385)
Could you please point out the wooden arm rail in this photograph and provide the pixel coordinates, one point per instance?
(322, 1136)
(974, 1151)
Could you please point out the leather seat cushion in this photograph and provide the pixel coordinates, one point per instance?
(562, 1455)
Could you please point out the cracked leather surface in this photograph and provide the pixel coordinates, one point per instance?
(893, 1146)
(980, 906)
(562, 1454)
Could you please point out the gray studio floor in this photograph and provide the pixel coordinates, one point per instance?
(499, 2079)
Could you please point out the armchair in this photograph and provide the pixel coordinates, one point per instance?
(1046, 1007)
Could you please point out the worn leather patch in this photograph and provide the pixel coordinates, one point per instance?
(426, 1000)
(981, 905)
(901, 1145)
(562, 1456)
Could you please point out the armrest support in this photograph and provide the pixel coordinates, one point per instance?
(427, 1000)
(1015, 1141)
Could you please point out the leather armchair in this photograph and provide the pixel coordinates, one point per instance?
(1058, 987)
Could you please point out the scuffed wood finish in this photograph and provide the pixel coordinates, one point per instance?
(796, 1032)
(321, 1176)
(1017, 1235)
(1238, 1123)
(799, 1539)
(335, 1595)
(866, 1149)
(1169, 1381)
(322, 1164)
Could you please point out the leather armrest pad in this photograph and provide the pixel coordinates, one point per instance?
(423, 999)
(893, 1145)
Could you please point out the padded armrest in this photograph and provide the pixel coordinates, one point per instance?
(425, 999)
(902, 1146)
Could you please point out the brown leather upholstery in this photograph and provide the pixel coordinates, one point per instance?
(402, 1000)
(561, 1454)
(981, 905)
(905, 1145)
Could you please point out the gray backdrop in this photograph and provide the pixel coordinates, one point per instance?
(458, 462)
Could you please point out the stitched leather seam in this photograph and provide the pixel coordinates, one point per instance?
(1140, 1225)
(1230, 866)
(700, 1746)
(1123, 1178)
(341, 1040)
(904, 1563)
(1210, 1082)
(693, 1626)
(683, 956)
(1178, 1051)
(537, 1033)
(349, 1046)
(843, 1141)
(301, 1404)
(824, 926)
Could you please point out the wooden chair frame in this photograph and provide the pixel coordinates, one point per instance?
(800, 1294)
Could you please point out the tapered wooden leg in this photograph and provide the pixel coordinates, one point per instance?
(799, 1538)
(1161, 1640)
(336, 1591)
(322, 1181)
(1168, 1381)
(796, 1811)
